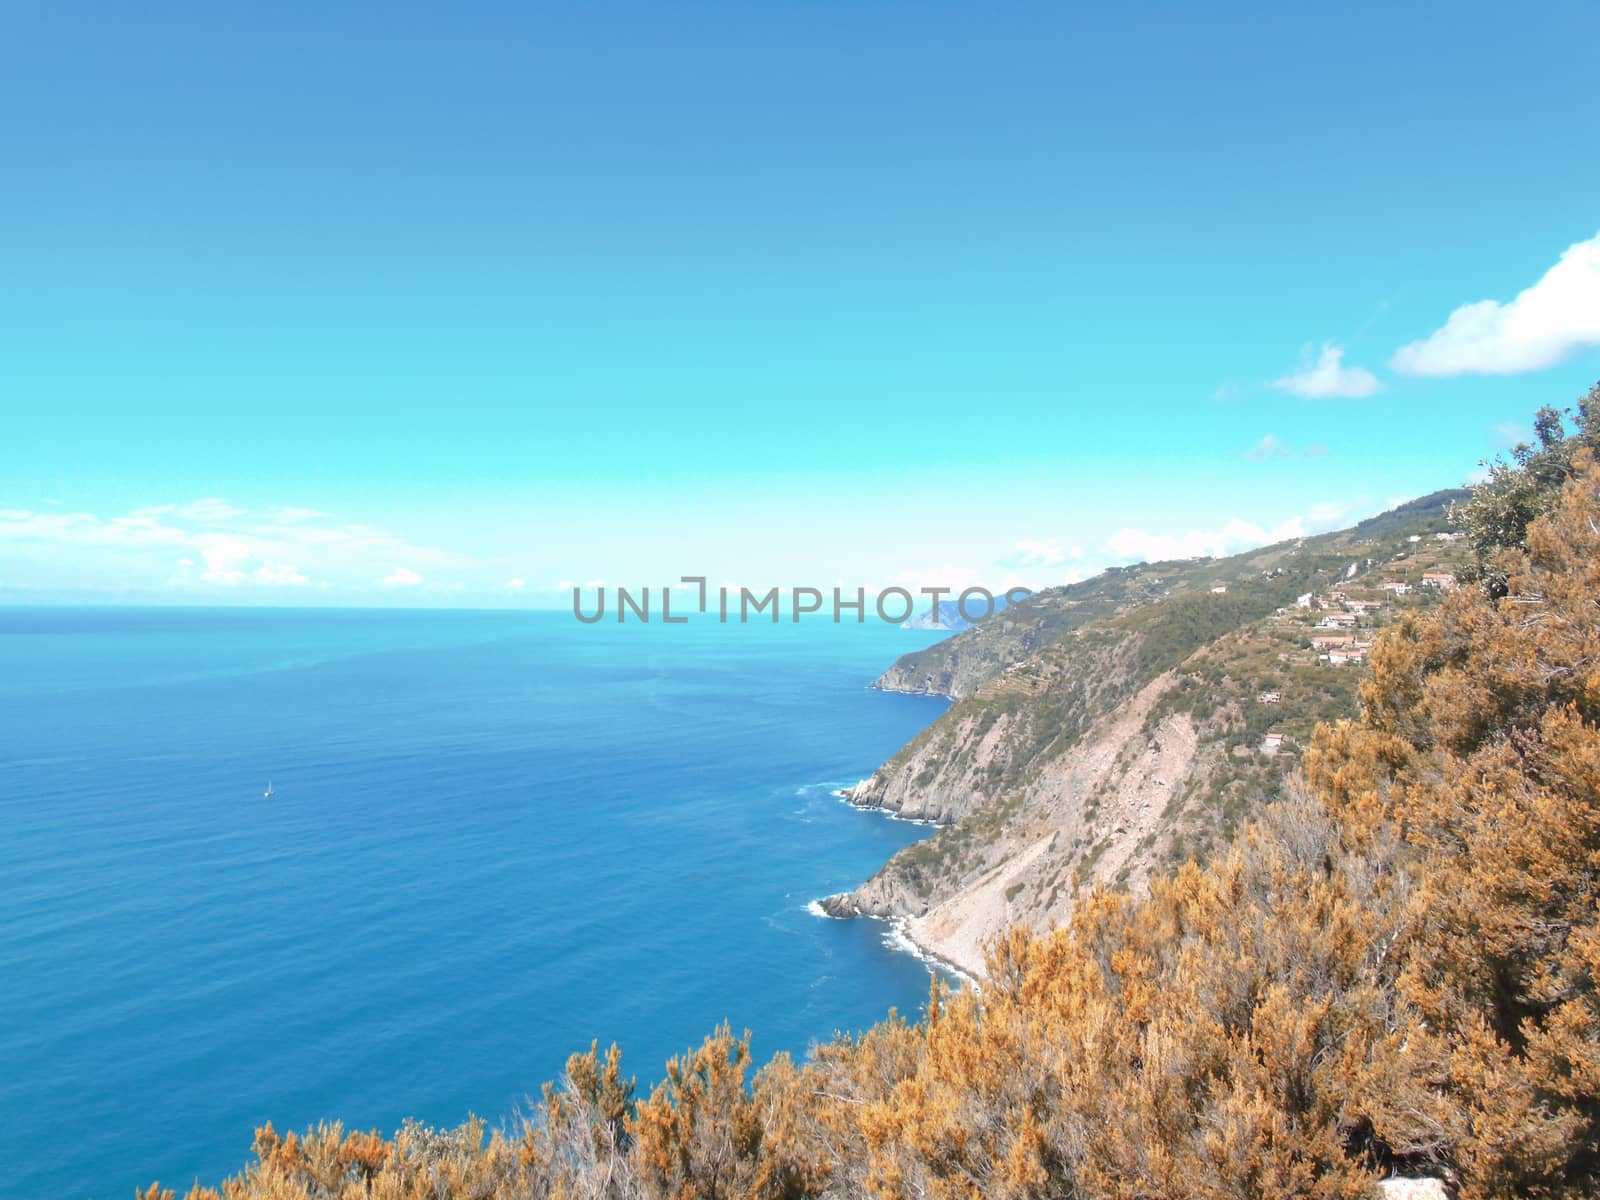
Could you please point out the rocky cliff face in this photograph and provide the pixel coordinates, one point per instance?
(997, 734)
(1103, 734)
(1098, 811)
(953, 668)
(1108, 808)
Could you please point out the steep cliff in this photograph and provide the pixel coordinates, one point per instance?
(1102, 733)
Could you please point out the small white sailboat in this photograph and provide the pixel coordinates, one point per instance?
(267, 795)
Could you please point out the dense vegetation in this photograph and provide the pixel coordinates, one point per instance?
(1394, 970)
(1516, 491)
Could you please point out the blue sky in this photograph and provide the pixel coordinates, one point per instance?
(403, 304)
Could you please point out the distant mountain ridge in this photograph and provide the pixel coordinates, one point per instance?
(950, 617)
(954, 666)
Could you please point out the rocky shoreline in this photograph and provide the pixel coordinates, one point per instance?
(888, 682)
(844, 906)
(913, 930)
(1115, 783)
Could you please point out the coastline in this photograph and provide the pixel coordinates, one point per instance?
(878, 685)
(907, 935)
(900, 939)
(903, 939)
(847, 796)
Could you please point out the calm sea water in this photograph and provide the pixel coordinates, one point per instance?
(494, 837)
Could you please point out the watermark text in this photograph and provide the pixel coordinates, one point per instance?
(741, 605)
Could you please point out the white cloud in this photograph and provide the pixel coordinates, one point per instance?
(225, 556)
(515, 585)
(210, 511)
(1272, 446)
(86, 529)
(1138, 545)
(1042, 552)
(1327, 377)
(279, 573)
(211, 543)
(1552, 320)
(401, 577)
(142, 531)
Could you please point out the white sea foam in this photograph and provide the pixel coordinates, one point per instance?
(897, 939)
(845, 796)
(894, 816)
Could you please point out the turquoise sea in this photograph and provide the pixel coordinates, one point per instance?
(492, 838)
